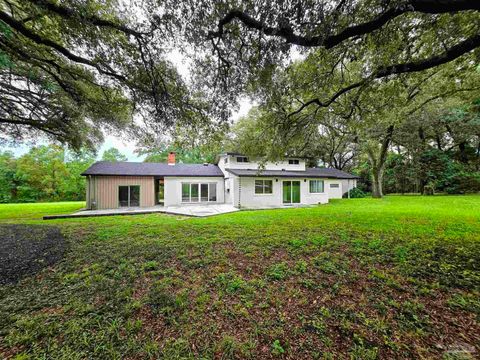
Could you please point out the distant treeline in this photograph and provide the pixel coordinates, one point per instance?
(453, 171)
(45, 173)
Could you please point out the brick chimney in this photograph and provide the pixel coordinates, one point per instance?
(171, 158)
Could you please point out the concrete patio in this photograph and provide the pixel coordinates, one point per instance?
(186, 210)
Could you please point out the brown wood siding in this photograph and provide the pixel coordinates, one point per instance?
(106, 190)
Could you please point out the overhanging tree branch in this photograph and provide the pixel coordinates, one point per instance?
(18, 26)
(69, 13)
(402, 68)
(285, 32)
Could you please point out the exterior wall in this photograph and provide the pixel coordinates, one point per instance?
(173, 188)
(102, 191)
(337, 193)
(248, 199)
(228, 181)
(348, 185)
(252, 164)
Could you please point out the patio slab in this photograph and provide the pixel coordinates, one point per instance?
(186, 210)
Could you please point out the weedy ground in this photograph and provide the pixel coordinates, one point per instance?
(357, 279)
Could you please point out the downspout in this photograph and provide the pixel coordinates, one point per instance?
(348, 186)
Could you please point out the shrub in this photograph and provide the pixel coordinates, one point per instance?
(355, 193)
(463, 183)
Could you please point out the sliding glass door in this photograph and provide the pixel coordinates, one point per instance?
(199, 192)
(291, 192)
(129, 195)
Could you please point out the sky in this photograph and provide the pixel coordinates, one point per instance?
(128, 147)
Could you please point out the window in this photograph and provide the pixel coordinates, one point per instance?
(204, 192)
(129, 195)
(316, 186)
(242, 159)
(263, 186)
(336, 186)
(225, 160)
(293, 162)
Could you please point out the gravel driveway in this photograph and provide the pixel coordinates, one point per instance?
(26, 249)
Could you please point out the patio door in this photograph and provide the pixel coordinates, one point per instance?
(291, 192)
(129, 196)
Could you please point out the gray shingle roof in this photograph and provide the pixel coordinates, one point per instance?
(152, 169)
(309, 172)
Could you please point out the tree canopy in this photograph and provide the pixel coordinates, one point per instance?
(113, 154)
(45, 173)
(74, 69)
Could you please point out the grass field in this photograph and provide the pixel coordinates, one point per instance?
(20, 212)
(356, 279)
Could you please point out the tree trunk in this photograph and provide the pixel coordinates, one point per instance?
(378, 164)
(377, 181)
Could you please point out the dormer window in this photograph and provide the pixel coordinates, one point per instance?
(225, 160)
(242, 159)
(293, 162)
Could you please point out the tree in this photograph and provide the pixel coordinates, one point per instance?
(45, 173)
(388, 38)
(113, 155)
(8, 178)
(73, 69)
(76, 164)
(367, 121)
(42, 172)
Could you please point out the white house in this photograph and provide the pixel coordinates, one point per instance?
(234, 179)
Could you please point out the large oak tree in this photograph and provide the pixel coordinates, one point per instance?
(73, 69)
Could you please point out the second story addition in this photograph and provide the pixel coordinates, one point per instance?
(231, 160)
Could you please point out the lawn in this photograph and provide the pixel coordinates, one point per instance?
(357, 279)
(15, 212)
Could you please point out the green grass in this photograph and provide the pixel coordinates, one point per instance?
(15, 212)
(358, 279)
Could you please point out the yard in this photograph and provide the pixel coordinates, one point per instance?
(360, 278)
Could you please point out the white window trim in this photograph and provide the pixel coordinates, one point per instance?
(263, 194)
(316, 193)
(199, 193)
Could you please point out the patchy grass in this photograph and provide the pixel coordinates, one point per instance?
(355, 279)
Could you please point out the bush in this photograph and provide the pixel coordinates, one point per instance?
(355, 193)
(464, 182)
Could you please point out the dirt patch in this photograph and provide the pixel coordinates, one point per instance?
(26, 249)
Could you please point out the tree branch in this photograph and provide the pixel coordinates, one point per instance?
(414, 66)
(18, 26)
(69, 13)
(422, 6)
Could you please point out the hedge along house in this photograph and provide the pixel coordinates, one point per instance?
(234, 179)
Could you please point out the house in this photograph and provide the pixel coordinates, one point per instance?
(234, 179)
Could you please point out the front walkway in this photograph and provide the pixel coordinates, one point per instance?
(203, 210)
